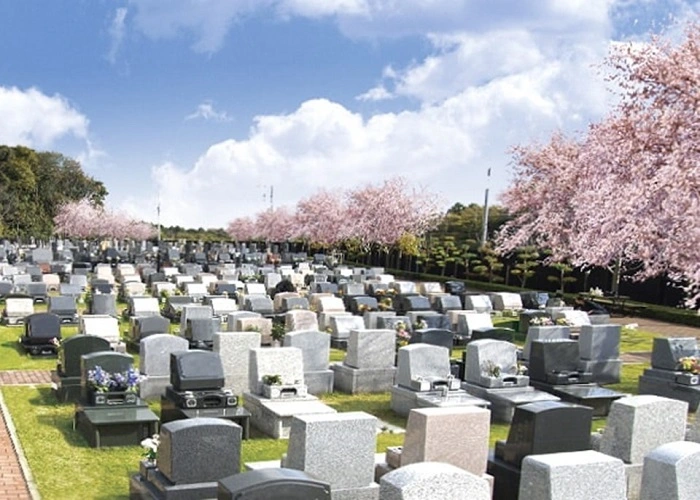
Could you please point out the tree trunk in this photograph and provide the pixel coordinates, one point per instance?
(616, 277)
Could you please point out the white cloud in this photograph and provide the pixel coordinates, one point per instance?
(34, 119)
(378, 93)
(206, 111)
(116, 34)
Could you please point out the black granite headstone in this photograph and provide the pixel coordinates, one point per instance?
(405, 303)
(273, 484)
(196, 370)
(455, 287)
(433, 336)
(549, 357)
(40, 327)
(438, 321)
(362, 302)
(72, 350)
(149, 325)
(200, 331)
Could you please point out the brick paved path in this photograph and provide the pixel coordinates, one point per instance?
(25, 377)
(13, 484)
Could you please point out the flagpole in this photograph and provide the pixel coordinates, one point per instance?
(485, 224)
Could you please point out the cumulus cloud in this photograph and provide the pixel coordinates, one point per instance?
(206, 111)
(34, 119)
(116, 34)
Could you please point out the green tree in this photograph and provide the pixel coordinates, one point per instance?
(526, 261)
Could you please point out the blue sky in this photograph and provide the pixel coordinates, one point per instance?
(205, 104)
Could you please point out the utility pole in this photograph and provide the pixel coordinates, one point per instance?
(485, 224)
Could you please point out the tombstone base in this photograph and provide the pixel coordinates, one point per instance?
(355, 380)
(592, 395)
(370, 492)
(46, 349)
(605, 371)
(153, 387)
(66, 389)
(506, 479)
(504, 401)
(274, 417)
(341, 344)
(156, 486)
(651, 384)
(108, 426)
(319, 382)
(170, 411)
(404, 400)
(633, 477)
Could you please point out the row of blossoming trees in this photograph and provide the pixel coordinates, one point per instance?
(86, 220)
(627, 193)
(369, 215)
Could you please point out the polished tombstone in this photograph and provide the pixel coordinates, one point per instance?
(666, 377)
(273, 484)
(361, 303)
(433, 336)
(65, 380)
(197, 390)
(155, 353)
(405, 303)
(433, 321)
(504, 301)
(478, 303)
(537, 428)
(199, 332)
(337, 448)
(554, 368)
(427, 441)
(369, 362)
(526, 317)
(300, 320)
(492, 373)
(102, 325)
(174, 306)
(278, 391)
(341, 326)
(371, 318)
(117, 417)
(145, 326)
(599, 351)
(534, 300)
(469, 321)
(315, 350)
(543, 333)
(424, 380)
(104, 303)
(42, 333)
(17, 309)
(193, 456)
(38, 292)
(258, 303)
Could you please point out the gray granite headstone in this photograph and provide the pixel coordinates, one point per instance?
(234, 350)
(338, 448)
(667, 352)
(232, 317)
(287, 362)
(371, 349)
(544, 333)
(575, 475)
(671, 472)
(599, 342)
(433, 481)
(155, 353)
(342, 325)
(483, 355)
(74, 348)
(478, 303)
(422, 361)
(638, 424)
(199, 450)
(314, 345)
(300, 320)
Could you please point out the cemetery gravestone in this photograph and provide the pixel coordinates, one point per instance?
(315, 349)
(369, 363)
(192, 457)
(424, 379)
(599, 349)
(65, 380)
(433, 481)
(272, 484)
(155, 353)
(341, 327)
(668, 377)
(233, 348)
(670, 472)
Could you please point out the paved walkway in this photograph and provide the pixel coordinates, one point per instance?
(13, 479)
(25, 377)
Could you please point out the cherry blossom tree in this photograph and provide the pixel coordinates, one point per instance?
(276, 225)
(629, 190)
(82, 219)
(322, 218)
(241, 229)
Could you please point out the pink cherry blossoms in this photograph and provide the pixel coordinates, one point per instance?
(84, 220)
(370, 214)
(630, 188)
